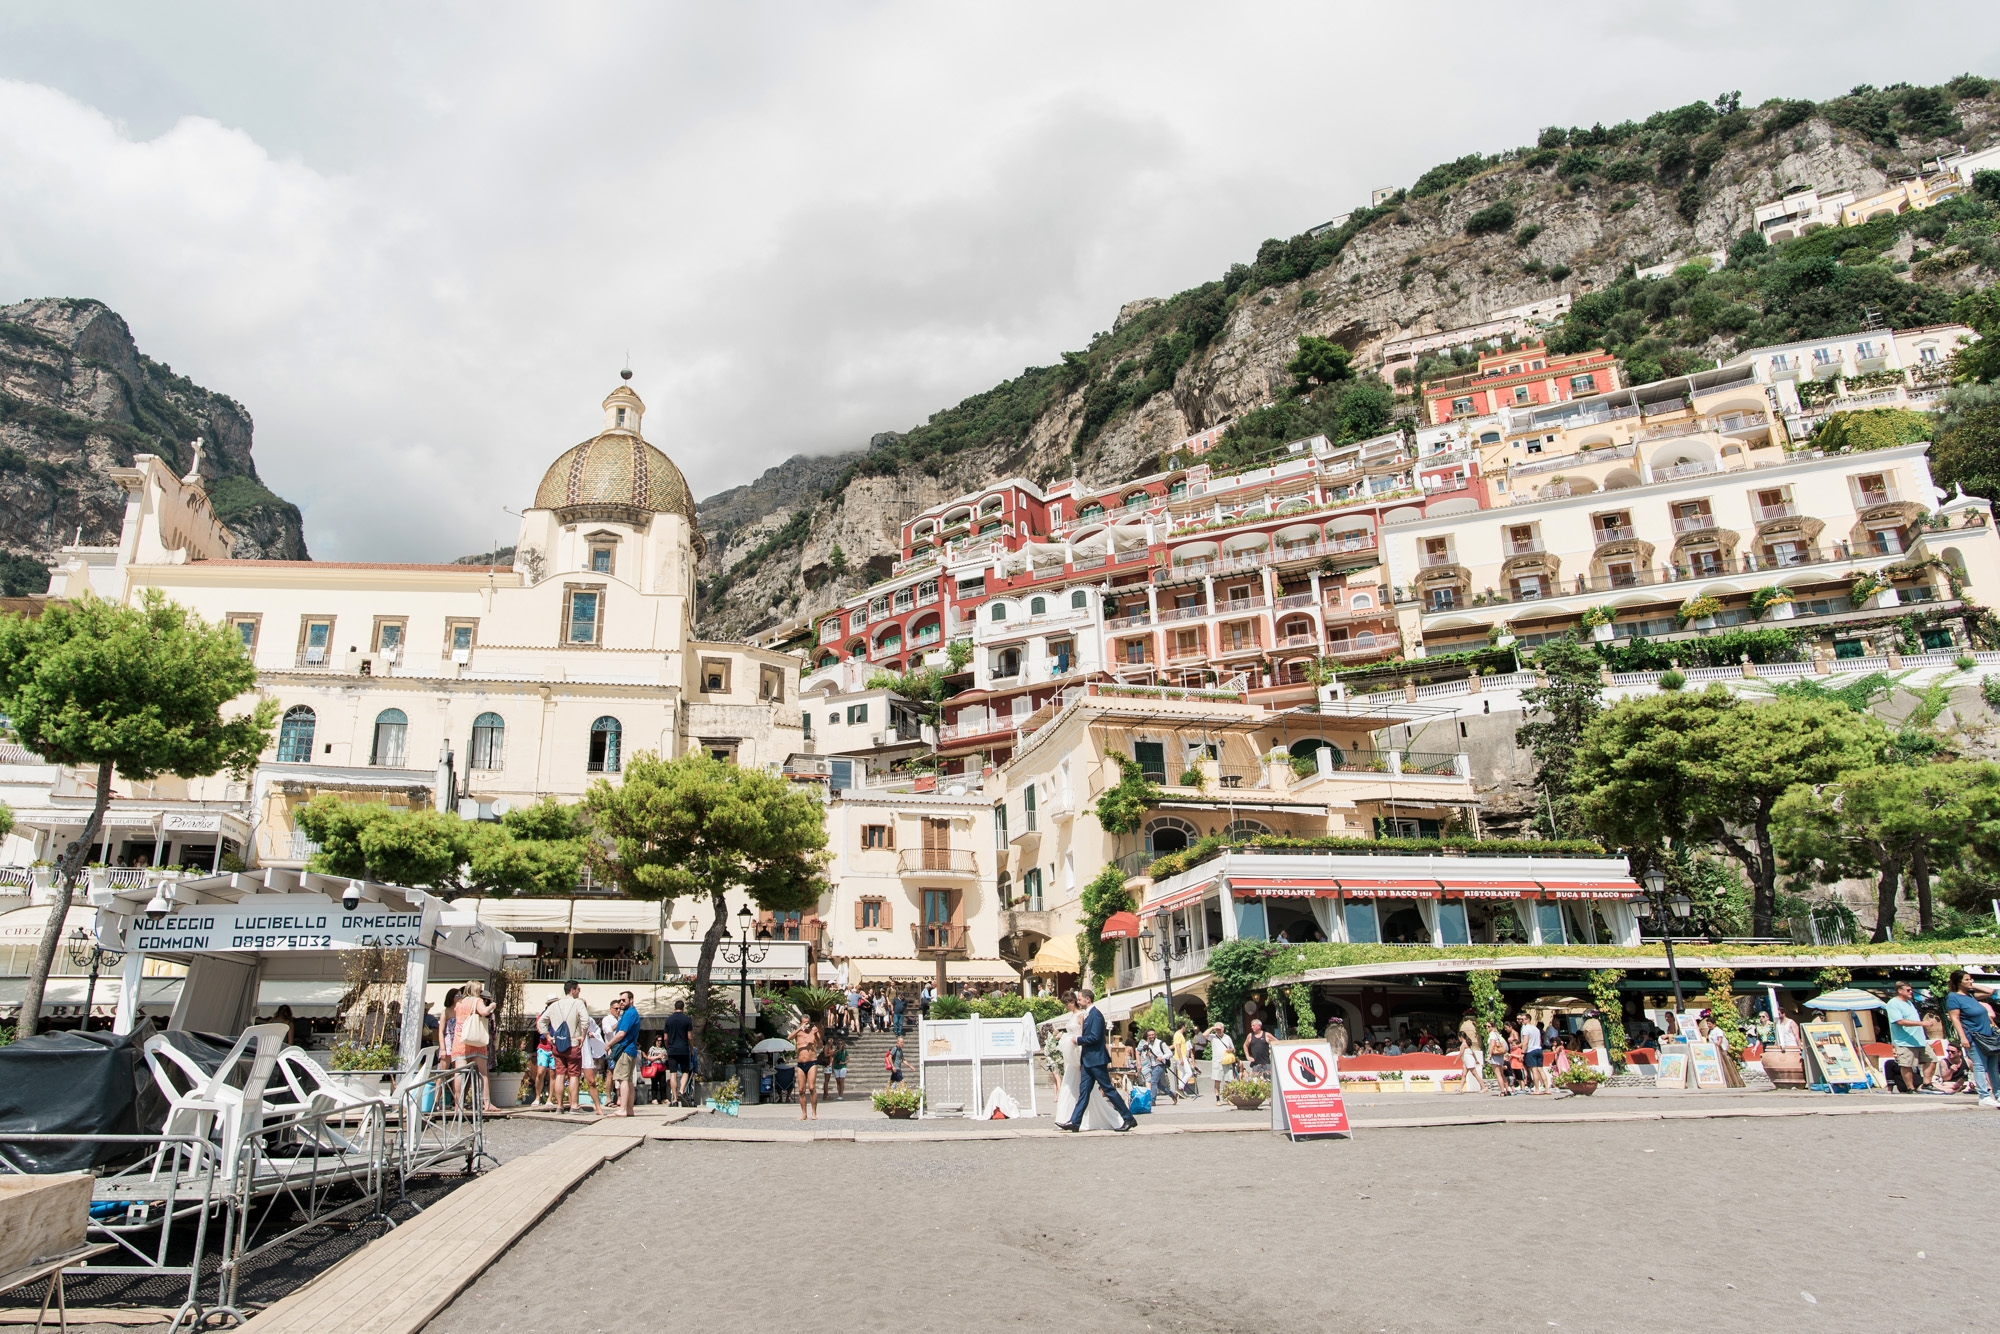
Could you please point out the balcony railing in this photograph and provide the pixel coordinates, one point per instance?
(312, 657)
(1616, 532)
(1531, 547)
(1293, 600)
(937, 861)
(1240, 606)
(939, 937)
(1129, 620)
(1784, 511)
(1693, 523)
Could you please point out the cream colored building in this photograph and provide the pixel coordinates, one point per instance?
(455, 686)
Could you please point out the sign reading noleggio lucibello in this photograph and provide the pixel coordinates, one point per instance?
(307, 925)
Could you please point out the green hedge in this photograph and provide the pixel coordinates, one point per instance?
(1173, 863)
(1287, 960)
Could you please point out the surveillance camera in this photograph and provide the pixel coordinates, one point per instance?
(352, 898)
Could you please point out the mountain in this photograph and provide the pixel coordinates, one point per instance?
(78, 398)
(1576, 213)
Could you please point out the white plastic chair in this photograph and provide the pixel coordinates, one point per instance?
(212, 1098)
(315, 1093)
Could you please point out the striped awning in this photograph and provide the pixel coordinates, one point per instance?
(1284, 886)
(1178, 899)
(1402, 888)
(1491, 889)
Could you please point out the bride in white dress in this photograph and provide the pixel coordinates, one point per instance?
(1099, 1116)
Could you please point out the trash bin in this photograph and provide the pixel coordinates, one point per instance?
(749, 1077)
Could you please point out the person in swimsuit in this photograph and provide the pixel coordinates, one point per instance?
(807, 1039)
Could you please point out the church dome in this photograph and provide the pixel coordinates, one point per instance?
(615, 474)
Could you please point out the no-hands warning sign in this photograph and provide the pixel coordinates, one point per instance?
(1307, 1099)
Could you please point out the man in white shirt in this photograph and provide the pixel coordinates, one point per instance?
(569, 1027)
(1531, 1055)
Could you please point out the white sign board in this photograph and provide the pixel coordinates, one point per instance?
(192, 822)
(962, 1063)
(270, 923)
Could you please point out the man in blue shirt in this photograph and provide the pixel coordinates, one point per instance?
(1906, 1034)
(621, 1049)
(1965, 1009)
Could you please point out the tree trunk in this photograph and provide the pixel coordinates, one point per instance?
(1885, 901)
(1764, 879)
(71, 870)
(1920, 871)
(704, 967)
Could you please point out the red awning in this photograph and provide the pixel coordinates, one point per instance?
(1283, 886)
(1121, 926)
(1491, 889)
(1591, 889)
(1178, 899)
(1357, 888)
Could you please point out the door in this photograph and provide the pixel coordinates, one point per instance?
(939, 906)
(1152, 758)
(937, 846)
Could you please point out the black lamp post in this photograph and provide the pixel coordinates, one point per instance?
(85, 951)
(745, 956)
(1163, 950)
(1663, 911)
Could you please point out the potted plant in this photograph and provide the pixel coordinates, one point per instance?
(365, 1070)
(898, 1103)
(726, 1097)
(1247, 1095)
(1700, 611)
(1874, 588)
(1581, 1078)
(510, 1066)
(1598, 620)
(1776, 601)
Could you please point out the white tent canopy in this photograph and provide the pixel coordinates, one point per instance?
(237, 931)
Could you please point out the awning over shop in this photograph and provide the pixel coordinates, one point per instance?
(920, 970)
(1591, 889)
(63, 996)
(1180, 898)
(1491, 889)
(1284, 887)
(1056, 957)
(309, 999)
(1120, 926)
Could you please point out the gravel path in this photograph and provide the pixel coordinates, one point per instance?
(1820, 1223)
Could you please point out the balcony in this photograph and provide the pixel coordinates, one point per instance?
(935, 862)
(1682, 470)
(1240, 606)
(1438, 559)
(1785, 370)
(1296, 641)
(312, 657)
(1827, 370)
(1019, 922)
(932, 939)
(1881, 495)
(1193, 613)
(1693, 523)
(1866, 360)
(1616, 532)
(1292, 601)
(1129, 621)
(1787, 510)
(1531, 547)
(1346, 648)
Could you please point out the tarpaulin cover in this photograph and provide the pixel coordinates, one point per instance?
(73, 1083)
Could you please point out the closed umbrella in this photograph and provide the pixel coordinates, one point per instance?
(1846, 998)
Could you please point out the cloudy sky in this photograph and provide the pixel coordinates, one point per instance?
(418, 242)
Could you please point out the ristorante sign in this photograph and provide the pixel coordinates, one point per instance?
(279, 923)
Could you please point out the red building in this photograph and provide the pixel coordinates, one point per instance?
(1519, 377)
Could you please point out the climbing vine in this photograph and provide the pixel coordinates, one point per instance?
(1721, 1002)
(1304, 1024)
(1832, 977)
(1488, 1006)
(1610, 1005)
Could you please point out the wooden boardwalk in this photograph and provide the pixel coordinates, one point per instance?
(396, 1284)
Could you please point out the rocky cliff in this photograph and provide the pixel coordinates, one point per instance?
(78, 398)
(1575, 213)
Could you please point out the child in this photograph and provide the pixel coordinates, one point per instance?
(1468, 1061)
(1517, 1062)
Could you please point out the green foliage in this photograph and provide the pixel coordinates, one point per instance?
(1720, 1001)
(1610, 1003)
(1557, 714)
(1156, 1017)
(1193, 778)
(1012, 1005)
(1252, 1091)
(1767, 597)
(1967, 449)
(22, 575)
(351, 1058)
(1320, 362)
(1449, 174)
(1671, 680)
(1346, 411)
(951, 1007)
(1875, 428)
(1123, 806)
(1300, 997)
(1489, 1007)
(1101, 898)
(789, 537)
(1578, 1073)
(901, 1098)
(1857, 694)
(1498, 217)
(1236, 969)
(1656, 771)
(1725, 649)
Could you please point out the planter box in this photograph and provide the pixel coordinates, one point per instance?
(1782, 611)
(1603, 634)
(1704, 622)
(42, 1217)
(505, 1090)
(1785, 1068)
(1247, 1104)
(1584, 1090)
(365, 1083)
(900, 1113)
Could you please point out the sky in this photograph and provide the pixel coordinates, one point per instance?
(419, 242)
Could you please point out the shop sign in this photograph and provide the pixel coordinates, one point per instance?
(192, 822)
(1306, 1100)
(277, 923)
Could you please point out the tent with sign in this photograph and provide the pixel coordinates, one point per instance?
(237, 932)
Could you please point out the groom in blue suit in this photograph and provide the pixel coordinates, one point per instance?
(1094, 1062)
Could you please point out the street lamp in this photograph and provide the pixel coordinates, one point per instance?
(745, 956)
(1163, 950)
(1663, 910)
(84, 951)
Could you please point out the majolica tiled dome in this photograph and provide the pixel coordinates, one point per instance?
(616, 470)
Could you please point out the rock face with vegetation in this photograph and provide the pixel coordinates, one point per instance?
(1577, 212)
(77, 399)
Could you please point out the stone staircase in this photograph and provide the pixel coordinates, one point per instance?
(864, 1060)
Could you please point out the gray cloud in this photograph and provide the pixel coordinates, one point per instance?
(418, 244)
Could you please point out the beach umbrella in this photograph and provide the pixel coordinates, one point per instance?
(1120, 926)
(1846, 998)
(771, 1045)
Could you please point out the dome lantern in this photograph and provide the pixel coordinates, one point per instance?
(616, 476)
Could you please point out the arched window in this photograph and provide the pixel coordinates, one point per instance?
(295, 735)
(1244, 829)
(1038, 606)
(1361, 600)
(999, 611)
(489, 741)
(391, 728)
(1168, 834)
(604, 738)
(1079, 599)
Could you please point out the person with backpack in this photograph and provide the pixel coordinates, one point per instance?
(892, 1061)
(545, 1054)
(569, 1023)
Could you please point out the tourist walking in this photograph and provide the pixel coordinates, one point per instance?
(1257, 1051)
(545, 1054)
(1496, 1059)
(1531, 1053)
(474, 1036)
(1976, 1035)
(892, 1061)
(680, 1050)
(622, 1051)
(835, 1073)
(1221, 1059)
(1906, 1035)
(898, 1006)
(569, 1024)
(1093, 1064)
(805, 1041)
(1183, 1072)
(1468, 1061)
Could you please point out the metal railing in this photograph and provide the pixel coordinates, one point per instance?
(939, 937)
(1693, 523)
(943, 861)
